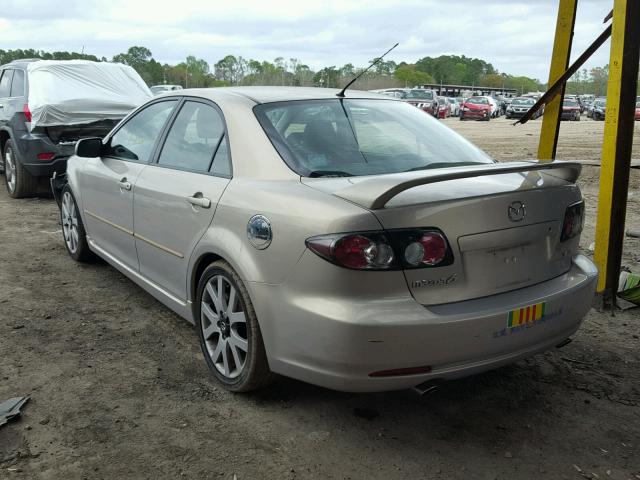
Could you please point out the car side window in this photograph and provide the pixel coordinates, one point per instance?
(17, 86)
(195, 136)
(222, 162)
(5, 83)
(136, 138)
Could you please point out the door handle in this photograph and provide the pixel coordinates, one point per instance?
(124, 184)
(199, 201)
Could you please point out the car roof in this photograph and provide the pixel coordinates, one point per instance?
(22, 62)
(277, 94)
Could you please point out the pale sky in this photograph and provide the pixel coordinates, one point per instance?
(515, 36)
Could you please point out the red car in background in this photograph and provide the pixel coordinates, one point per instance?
(425, 100)
(638, 111)
(444, 107)
(570, 110)
(476, 108)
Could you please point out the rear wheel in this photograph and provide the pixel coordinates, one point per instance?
(18, 181)
(230, 336)
(75, 237)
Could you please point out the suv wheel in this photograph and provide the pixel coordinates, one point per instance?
(18, 181)
(75, 237)
(229, 333)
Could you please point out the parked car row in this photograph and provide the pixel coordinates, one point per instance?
(303, 240)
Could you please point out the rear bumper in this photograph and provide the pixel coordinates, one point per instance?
(338, 342)
(29, 145)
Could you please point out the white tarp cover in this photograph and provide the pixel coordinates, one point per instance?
(78, 92)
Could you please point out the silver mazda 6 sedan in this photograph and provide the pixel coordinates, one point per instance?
(350, 242)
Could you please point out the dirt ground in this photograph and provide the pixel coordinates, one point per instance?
(119, 389)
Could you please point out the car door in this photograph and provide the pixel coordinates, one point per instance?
(175, 198)
(107, 182)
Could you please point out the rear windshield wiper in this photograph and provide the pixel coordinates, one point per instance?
(442, 165)
(329, 173)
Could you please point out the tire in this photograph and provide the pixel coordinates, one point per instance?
(222, 345)
(73, 232)
(18, 181)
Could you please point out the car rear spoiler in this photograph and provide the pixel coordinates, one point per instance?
(375, 192)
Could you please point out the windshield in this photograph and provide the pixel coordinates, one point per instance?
(161, 88)
(522, 101)
(478, 101)
(361, 137)
(600, 103)
(419, 94)
(570, 103)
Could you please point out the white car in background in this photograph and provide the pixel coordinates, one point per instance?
(495, 108)
(455, 107)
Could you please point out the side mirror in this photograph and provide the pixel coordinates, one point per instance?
(89, 147)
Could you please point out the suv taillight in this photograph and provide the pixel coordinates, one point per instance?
(27, 112)
(392, 250)
(573, 221)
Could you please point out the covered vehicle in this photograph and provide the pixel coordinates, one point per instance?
(46, 106)
(570, 110)
(476, 108)
(426, 100)
(347, 241)
(519, 107)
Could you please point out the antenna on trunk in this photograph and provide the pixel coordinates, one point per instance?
(375, 61)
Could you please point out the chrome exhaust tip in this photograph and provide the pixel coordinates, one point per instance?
(427, 387)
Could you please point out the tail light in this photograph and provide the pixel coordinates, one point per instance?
(573, 221)
(392, 250)
(46, 156)
(359, 251)
(27, 112)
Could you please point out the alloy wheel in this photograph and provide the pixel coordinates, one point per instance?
(10, 170)
(224, 326)
(70, 222)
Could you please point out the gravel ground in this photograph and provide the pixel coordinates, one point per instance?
(119, 389)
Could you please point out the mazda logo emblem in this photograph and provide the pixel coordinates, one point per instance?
(517, 211)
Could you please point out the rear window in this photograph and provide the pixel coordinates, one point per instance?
(361, 137)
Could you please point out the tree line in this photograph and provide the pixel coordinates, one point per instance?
(236, 70)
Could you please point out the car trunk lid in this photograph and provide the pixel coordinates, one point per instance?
(494, 249)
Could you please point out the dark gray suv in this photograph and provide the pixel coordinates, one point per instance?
(29, 155)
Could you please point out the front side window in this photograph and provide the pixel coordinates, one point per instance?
(5, 83)
(195, 137)
(17, 86)
(361, 137)
(135, 139)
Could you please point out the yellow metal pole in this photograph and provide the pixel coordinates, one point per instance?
(617, 144)
(559, 64)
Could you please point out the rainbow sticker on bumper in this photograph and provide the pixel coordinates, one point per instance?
(530, 314)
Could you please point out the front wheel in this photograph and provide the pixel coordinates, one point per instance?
(229, 333)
